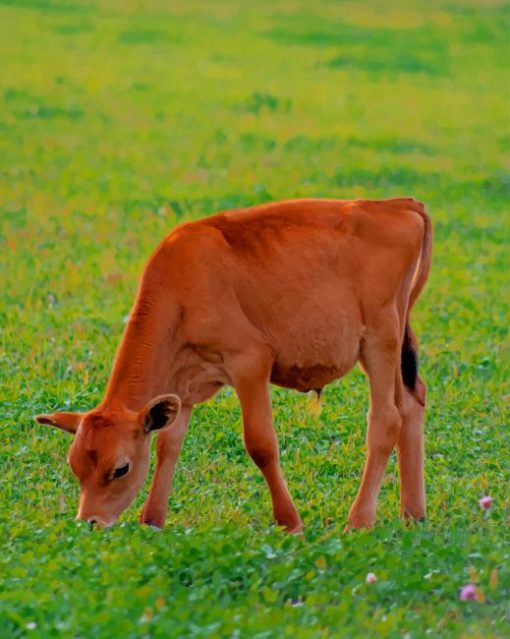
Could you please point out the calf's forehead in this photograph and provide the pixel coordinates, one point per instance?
(102, 445)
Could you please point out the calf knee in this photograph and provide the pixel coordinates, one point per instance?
(262, 455)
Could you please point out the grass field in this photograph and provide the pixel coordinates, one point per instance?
(119, 119)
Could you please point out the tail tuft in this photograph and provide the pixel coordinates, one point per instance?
(409, 360)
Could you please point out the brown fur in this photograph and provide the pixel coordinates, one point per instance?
(293, 293)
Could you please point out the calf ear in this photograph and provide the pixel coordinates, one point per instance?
(160, 412)
(65, 421)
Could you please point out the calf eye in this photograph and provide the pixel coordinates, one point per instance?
(121, 470)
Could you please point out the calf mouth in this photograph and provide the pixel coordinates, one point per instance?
(95, 521)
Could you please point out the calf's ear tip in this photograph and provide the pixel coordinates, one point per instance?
(65, 421)
(170, 398)
(174, 399)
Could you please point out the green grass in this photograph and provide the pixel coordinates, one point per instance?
(120, 119)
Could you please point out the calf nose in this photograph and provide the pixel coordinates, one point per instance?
(92, 522)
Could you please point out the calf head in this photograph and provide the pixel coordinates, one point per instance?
(110, 453)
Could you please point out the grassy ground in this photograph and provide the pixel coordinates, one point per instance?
(119, 119)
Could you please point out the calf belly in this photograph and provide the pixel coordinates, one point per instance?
(305, 378)
(317, 348)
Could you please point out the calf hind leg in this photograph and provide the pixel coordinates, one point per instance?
(410, 450)
(380, 358)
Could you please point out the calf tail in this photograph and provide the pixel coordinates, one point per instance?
(409, 357)
(423, 270)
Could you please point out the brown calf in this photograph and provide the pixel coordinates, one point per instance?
(290, 293)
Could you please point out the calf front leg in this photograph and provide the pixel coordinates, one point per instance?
(169, 446)
(262, 446)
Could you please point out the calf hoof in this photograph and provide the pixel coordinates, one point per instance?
(291, 523)
(413, 514)
(294, 529)
(358, 522)
(351, 527)
(289, 520)
(153, 519)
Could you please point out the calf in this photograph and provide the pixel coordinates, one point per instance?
(291, 293)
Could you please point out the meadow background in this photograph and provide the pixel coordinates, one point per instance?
(119, 119)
